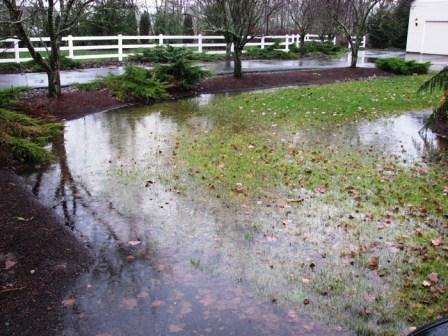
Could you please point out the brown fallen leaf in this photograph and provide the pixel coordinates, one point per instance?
(426, 283)
(238, 188)
(436, 242)
(445, 190)
(68, 302)
(10, 261)
(157, 303)
(321, 190)
(433, 277)
(441, 288)
(173, 328)
(130, 303)
(22, 219)
(373, 263)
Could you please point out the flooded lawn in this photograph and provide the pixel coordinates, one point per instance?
(193, 237)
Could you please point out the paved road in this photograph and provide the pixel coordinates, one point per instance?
(366, 59)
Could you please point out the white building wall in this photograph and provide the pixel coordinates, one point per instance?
(428, 27)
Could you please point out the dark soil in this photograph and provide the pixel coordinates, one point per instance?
(441, 128)
(39, 260)
(256, 81)
(71, 105)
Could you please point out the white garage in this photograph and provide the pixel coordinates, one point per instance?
(428, 27)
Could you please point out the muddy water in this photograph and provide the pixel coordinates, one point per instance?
(170, 262)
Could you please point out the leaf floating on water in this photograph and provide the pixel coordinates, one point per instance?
(68, 302)
(174, 328)
(130, 303)
(157, 303)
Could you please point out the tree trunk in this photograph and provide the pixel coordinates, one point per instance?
(354, 61)
(228, 52)
(54, 83)
(237, 66)
(302, 44)
(54, 75)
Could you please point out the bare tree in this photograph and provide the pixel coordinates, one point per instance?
(351, 17)
(237, 20)
(324, 23)
(59, 16)
(270, 8)
(303, 14)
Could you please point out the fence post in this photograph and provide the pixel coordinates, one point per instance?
(232, 48)
(334, 40)
(16, 51)
(262, 42)
(287, 43)
(160, 39)
(120, 47)
(364, 40)
(71, 53)
(200, 49)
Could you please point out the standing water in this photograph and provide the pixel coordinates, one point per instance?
(171, 264)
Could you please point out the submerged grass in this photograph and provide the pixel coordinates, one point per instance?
(248, 153)
(318, 106)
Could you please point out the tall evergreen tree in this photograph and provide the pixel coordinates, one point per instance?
(145, 24)
(388, 27)
(188, 25)
(111, 17)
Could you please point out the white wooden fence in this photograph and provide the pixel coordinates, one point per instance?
(120, 46)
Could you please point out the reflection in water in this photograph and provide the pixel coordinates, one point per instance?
(402, 136)
(169, 265)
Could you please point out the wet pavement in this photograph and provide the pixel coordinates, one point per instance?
(366, 59)
(172, 262)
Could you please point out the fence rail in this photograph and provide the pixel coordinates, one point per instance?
(121, 47)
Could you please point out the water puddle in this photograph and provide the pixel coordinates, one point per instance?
(401, 137)
(171, 263)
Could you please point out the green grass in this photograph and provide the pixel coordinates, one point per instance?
(241, 148)
(248, 154)
(321, 105)
(420, 304)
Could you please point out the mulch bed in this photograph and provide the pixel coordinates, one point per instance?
(75, 104)
(256, 81)
(39, 260)
(71, 105)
